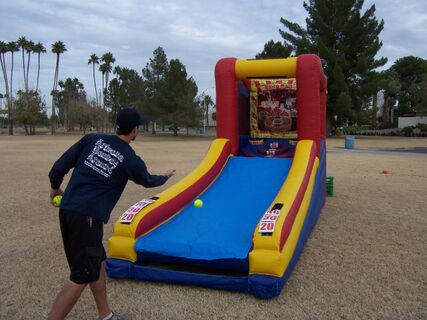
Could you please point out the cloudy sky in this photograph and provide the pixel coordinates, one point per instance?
(198, 33)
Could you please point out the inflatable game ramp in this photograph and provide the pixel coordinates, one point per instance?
(262, 184)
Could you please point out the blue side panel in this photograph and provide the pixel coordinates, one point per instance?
(121, 269)
(237, 265)
(223, 227)
(265, 287)
(269, 286)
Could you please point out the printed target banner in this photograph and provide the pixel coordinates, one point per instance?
(130, 213)
(273, 108)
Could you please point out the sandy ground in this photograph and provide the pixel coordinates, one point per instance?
(366, 257)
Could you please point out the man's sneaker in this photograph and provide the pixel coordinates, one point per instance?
(116, 316)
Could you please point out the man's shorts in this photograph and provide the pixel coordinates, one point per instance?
(82, 237)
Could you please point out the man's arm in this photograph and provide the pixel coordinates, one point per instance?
(140, 175)
(63, 165)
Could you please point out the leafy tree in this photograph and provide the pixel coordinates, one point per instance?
(390, 86)
(410, 71)
(371, 86)
(93, 60)
(348, 41)
(275, 50)
(71, 94)
(420, 94)
(178, 98)
(126, 90)
(87, 115)
(192, 115)
(58, 48)
(154, 74)
(30, 110)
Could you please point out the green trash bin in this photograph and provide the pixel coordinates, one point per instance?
(330, 186)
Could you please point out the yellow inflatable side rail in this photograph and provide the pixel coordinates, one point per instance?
(266, 68)
(171, 201)
(271, 254)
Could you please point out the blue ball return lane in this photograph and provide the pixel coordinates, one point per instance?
(223, 228)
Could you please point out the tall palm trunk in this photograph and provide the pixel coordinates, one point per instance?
(10, 106)
(23, 68)
(374, 111)
(28, 70)
(6, 82)
(104, 125)
(107, 127)
(38, 72)
(55, 85)
(94, 83)
(386, 117)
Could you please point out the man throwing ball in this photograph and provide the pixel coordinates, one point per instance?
(102, 166)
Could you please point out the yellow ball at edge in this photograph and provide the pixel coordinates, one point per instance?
(198, 203)
(57, 200)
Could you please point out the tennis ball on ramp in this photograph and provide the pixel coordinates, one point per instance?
(57, 200)
(198, 203)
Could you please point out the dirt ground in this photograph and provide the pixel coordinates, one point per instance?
(365, 259)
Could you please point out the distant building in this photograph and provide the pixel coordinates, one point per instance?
(412, 119)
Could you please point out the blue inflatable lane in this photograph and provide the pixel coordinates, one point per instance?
(223, 227)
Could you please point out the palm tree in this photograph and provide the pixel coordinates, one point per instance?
(58, 47)
(206, 103)
(117, 70)
(22, 42)
(103, 68)
(4, 49)
(108, 60)
(39, 49)
(94, 60)
(29, 48)
(13, 47)
(106, 69)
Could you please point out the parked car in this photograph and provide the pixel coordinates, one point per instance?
(174, 128)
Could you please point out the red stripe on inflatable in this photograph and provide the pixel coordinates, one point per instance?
(248, 154)
(290, 218)
(309, 77)
(171, 207)
(323, 89)
(226, 102)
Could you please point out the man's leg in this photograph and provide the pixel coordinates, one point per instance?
(65, 300)
(99, 291)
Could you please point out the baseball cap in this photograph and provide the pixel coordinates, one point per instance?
(127, 119)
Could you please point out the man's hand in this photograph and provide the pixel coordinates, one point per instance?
(170, 173)
(53, 193)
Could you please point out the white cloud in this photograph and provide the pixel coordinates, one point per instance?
(198, 33)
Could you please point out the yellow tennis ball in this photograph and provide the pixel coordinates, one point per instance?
(198, 203)
(57, 200)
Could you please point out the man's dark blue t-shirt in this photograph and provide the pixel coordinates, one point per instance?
(102, 166)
